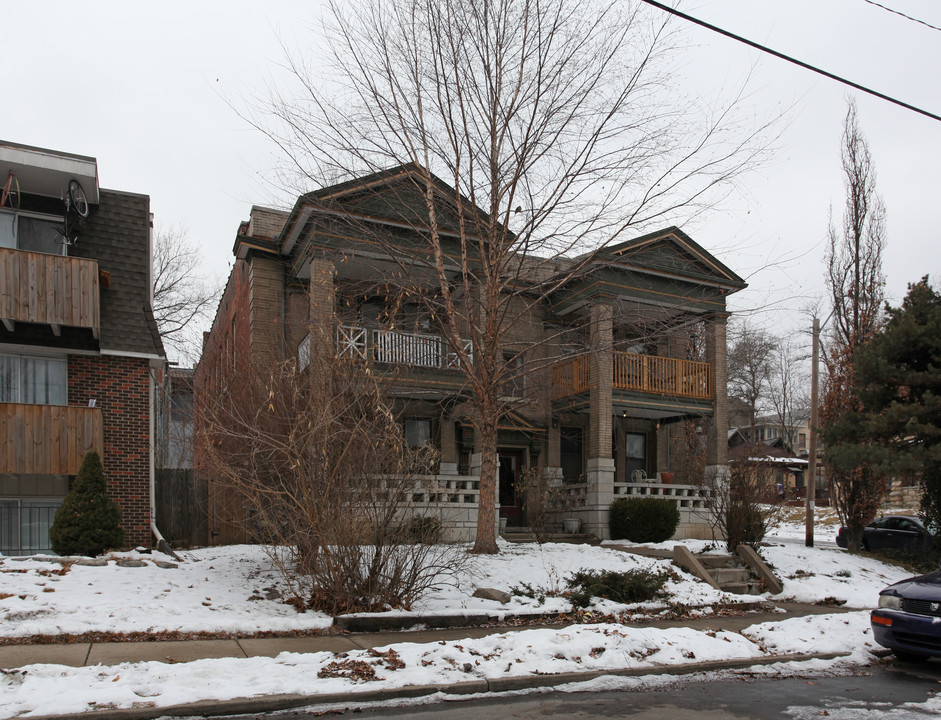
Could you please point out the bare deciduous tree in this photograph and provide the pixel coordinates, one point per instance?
(856, 283)
(553, 124)
(183, 295)
(319, 460)
(788, 390)
(750, 360)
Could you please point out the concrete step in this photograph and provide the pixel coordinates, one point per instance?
(724, 576)
(718, 561)
(742, 588)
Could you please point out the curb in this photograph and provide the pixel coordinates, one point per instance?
(272, 703)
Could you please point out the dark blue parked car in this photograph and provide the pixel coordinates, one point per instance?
(893, 532)
(908, 620)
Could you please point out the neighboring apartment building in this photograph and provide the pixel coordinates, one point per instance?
(78, 342)
(612, 406)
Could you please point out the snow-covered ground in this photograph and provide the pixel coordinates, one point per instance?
(219, 590)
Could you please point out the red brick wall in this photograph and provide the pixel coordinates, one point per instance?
(120, 388)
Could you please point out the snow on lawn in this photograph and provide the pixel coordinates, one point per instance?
(815, 574)
(54, 689)
(227, 589)
(546, 568)
(213, 590)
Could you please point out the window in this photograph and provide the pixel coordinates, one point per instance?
(802, 440)
(635, 454)
(303, 353)
(39, 233)
(24, 525)
(417, 432)
(36, 380)
(513, 386)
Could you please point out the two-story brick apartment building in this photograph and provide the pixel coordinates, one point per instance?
(78, 342)
(622, 380)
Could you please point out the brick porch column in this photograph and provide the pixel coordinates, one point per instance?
(600, 463)
(321, 310)
(717, 429)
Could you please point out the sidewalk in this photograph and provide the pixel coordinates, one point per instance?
(174, 651)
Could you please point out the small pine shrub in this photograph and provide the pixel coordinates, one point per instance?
(88, 522)
(633, 586)
(643, 520)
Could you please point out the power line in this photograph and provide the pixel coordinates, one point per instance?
(795, 61)
(907, 17)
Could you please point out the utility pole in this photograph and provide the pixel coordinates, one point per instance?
(811, 481)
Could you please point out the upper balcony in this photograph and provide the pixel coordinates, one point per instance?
(47, 439)
(399, 348)
(643, 374)
(52, 290)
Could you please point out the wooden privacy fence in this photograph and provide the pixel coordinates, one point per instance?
(641, 373)
(182, 505)
(48, 439)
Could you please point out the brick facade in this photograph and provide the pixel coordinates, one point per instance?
(120, 388)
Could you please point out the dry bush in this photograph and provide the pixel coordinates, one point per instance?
(746, 505)
(319, 459)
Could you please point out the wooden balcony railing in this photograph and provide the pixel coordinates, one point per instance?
(51, 289)
(651, 374)
(47, 439)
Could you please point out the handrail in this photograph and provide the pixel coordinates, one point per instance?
(399, 348)
(653, 374)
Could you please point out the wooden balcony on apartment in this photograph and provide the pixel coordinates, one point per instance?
(47, 439)
(645, 374)
(53, 290)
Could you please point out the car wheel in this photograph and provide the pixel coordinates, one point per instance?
(866, 545)
(909, 657)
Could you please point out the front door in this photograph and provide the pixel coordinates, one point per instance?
(511, 462)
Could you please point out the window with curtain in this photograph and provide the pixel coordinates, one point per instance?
(635, 454)
(32, 232)
(34, 380)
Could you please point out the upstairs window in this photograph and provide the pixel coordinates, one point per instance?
(28, 231)
(417, 432)
(33, 380)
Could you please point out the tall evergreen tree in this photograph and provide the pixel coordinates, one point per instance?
(898, 377)
(88, 522)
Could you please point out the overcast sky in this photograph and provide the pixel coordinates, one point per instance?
(143, 86)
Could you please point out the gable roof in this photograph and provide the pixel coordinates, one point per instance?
(394, 196)
(671, 252)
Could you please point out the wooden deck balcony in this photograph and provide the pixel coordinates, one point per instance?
(53, 290)
(649, 374)
(47, 439)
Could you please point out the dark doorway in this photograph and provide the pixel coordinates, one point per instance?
(511, 463)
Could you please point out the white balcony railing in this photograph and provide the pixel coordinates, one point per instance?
(399, 348)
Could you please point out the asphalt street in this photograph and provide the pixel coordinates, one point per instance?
(888, 690)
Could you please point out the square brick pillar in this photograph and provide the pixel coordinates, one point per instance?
(448, 460)
(600, 467)
(717, 429)
(320, 314)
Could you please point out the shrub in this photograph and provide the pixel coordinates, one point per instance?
(88, 522)
(746, 524)
(643, 520)
(633, 586)
(422, 529)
